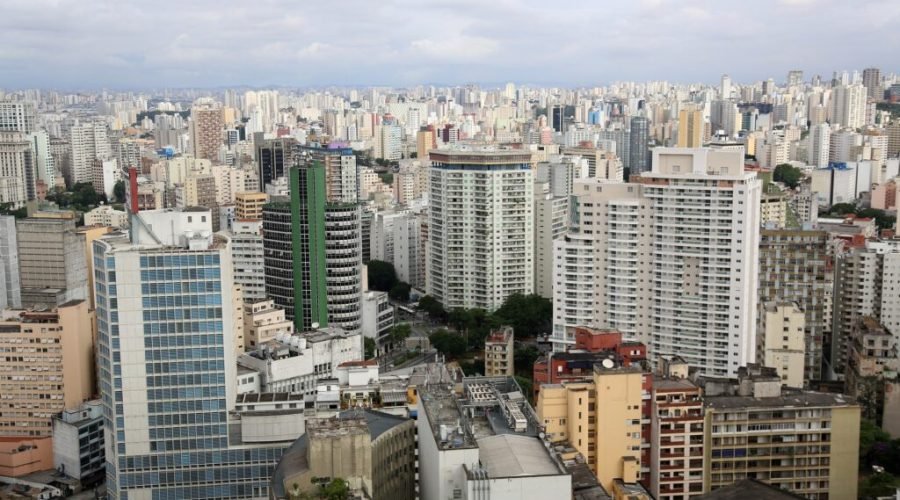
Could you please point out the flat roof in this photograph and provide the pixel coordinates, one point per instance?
(510, 455)
(799, 399)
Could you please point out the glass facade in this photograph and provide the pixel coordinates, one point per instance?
(173, 438)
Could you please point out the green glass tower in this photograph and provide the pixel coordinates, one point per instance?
(294, 248)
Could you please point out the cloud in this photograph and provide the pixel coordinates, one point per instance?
(94, 43)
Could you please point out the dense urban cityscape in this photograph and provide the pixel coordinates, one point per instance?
(630, 291)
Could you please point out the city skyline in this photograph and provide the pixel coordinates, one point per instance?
(403, 43)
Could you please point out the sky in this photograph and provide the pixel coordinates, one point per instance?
(77, 44)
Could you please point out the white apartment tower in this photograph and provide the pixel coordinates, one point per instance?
(670, 260)
(819, 145)
(247, 259)
(848, 105)
(89, 142)
(480, 242)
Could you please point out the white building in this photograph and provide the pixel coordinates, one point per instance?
(10, 284)
(464, 455)
(78, 442)
(409, 254)
(105, 215)
(670, 260)
(17, 169)
(818, 145)
(295, 363)
(848, 105)
(43, 158)
(247, 258)
(89, 142)
(481, 241)
(377, 316)
(105, 175)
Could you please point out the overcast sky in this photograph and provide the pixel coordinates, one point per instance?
(153, 43)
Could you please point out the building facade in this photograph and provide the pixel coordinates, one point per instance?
(480, 241)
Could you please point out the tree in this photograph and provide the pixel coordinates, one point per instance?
(449, 344)
(878, 485)
(382, 275)
(400, 332)
(788, 174)
(18, 213)
(337, 489)
(387, 178)
(842, 209)
(529, 315)
(527, 386)
(119, 191)
(370, 347)
(432, 307)
(400, 291)
(524, 358)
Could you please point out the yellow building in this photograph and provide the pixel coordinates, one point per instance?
(690, 128)
(782, 343)
(47, 366)
(773, 209)
(801, 441)
(424, 142)
(601, 418)
(498, 353)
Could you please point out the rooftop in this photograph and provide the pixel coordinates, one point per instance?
(510, 455)
(749, 489)
(790, 398)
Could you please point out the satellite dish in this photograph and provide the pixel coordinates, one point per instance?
(608, 363)
(315, 326)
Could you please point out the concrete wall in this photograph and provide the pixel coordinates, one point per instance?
(272, 427)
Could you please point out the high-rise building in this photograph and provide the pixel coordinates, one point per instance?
(725, 88)
(44, 163)
(167, 367)
(52, 263)
(872, 81)
(690, 128)
(247, 257)
(670, 260)
(804, 442)
(341, 171)
(207, 129)
(551, 221)
(343, 265)
(480, 243)
(848, 106)
(89, 142)
(639, 150)
(866, 280)
(294, 242)
(17, 116)
(48, 366)
(796, 266)
(795, 77)
(425, 142)
(18, 172)
(10, 284)
(818, 145)
(274, 157)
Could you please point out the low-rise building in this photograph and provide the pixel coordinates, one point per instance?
(872, 368)
(78, 445)
(374, 452)
(377, 317)
(481, 438)
(296, 363)
(773, 210)
(499, 353)
(105, 215)
(264, 322)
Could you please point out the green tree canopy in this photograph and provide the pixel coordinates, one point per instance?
(449, 344)
(400, 291)
(400, 332)
(382, 275)
(529, 315)
(432, 307)
(788, 174)
(119, 191)
(370, 347)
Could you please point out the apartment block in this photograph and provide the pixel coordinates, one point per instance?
(797, 266)
(670, 259)
(804, 442)
(47, 366)
(248, 205)
(782, 342)
(52, 263)
(263, 321)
